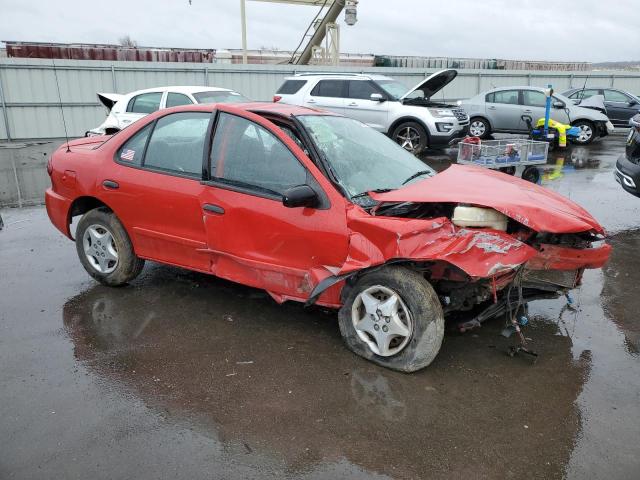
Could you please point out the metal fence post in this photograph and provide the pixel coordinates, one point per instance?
(113, 79)
(479, 83)
(571, 80)
(5, 114)
(15, 176)
(206, 76)
(613, 78)
(529, 79)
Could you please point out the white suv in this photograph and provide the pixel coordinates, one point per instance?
(407, 115)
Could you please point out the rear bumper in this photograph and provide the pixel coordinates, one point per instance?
(58, 211)
(627, 174)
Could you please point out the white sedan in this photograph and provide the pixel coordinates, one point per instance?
(126, 109)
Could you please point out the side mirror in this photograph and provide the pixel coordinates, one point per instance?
(300, 196)
(558, 104)
(633, 103)
(377, 97)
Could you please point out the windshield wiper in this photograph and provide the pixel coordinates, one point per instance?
(376, 190)
(416, 175)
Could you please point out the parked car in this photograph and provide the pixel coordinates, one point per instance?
(628, 165)
(620, 105)
(501, 110)
(319, 208)
(407, 115)
(126, 109)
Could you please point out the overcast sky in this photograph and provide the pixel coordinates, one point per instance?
(585, 30)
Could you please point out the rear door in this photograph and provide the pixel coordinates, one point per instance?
(620, 107)
(252, 237)
(359, 105)
(140, 106)
(154, 186)
(328, 94)
(504, 110)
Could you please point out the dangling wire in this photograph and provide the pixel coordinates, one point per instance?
(64, 122)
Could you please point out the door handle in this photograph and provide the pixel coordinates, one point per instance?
(492, 108)
(311, 101)
(209, 207)
(110, 184)
(527, 111)
(353, 104)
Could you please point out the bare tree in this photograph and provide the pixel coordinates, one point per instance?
(127, 41)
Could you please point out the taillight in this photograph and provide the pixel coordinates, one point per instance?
(276, 98)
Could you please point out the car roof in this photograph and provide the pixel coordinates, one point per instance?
(180, 89)
(283, 109)
(338, 76)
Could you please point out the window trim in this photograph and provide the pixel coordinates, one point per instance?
(132, 99)
(376, 89)
(182, 104)
(171, 173)
(345, 88)
(255, 190)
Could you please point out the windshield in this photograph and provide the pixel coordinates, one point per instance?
(393, 87)
(361, 158)
(221, 96)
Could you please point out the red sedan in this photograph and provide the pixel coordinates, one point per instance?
(318, 208)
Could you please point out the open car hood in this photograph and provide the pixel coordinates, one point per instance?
(433, 84)
(109, 99)
(536, 207)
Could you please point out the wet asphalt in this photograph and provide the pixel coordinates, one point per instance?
(182, 375)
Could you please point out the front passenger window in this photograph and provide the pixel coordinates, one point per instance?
(247, 155)
(177, 143)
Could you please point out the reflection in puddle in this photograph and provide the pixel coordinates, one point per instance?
(276, 381)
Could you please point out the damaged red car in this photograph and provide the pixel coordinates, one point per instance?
(318, 208)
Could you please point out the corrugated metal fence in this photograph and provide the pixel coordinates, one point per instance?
(31, 109)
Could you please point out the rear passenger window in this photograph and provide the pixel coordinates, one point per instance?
(329, 88)
(176, 99)
(177, 143)
(289, 87)
(145, 103)
(247, 155)
(361, 89)
(131, 152)
(505, 96)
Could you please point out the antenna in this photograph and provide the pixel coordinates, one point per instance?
(64, 122)
(584, 86)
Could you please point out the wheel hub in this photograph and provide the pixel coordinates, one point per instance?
(100, 249)
(408, 138)
(382, 320)
(477, 128)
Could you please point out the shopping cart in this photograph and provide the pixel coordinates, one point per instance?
(505, 155)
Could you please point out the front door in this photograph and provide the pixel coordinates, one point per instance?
(155, 185)
(359, 105)
(252, 237)
(620, 107)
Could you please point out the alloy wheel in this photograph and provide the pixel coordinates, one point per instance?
(382, 320)
(586, 132)
(408, 138)
(100, 249)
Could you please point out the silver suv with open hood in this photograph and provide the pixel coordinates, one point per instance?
(408, 115)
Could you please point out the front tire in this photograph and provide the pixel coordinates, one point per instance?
(105, 249)
(479, 127)
(587, 132)
(392, 316)
(411, 136)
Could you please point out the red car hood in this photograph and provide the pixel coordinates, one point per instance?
(536, 207)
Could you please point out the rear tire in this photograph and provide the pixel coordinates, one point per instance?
(105, 249)
(365, 314)
(479, 127)
(411, 136)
